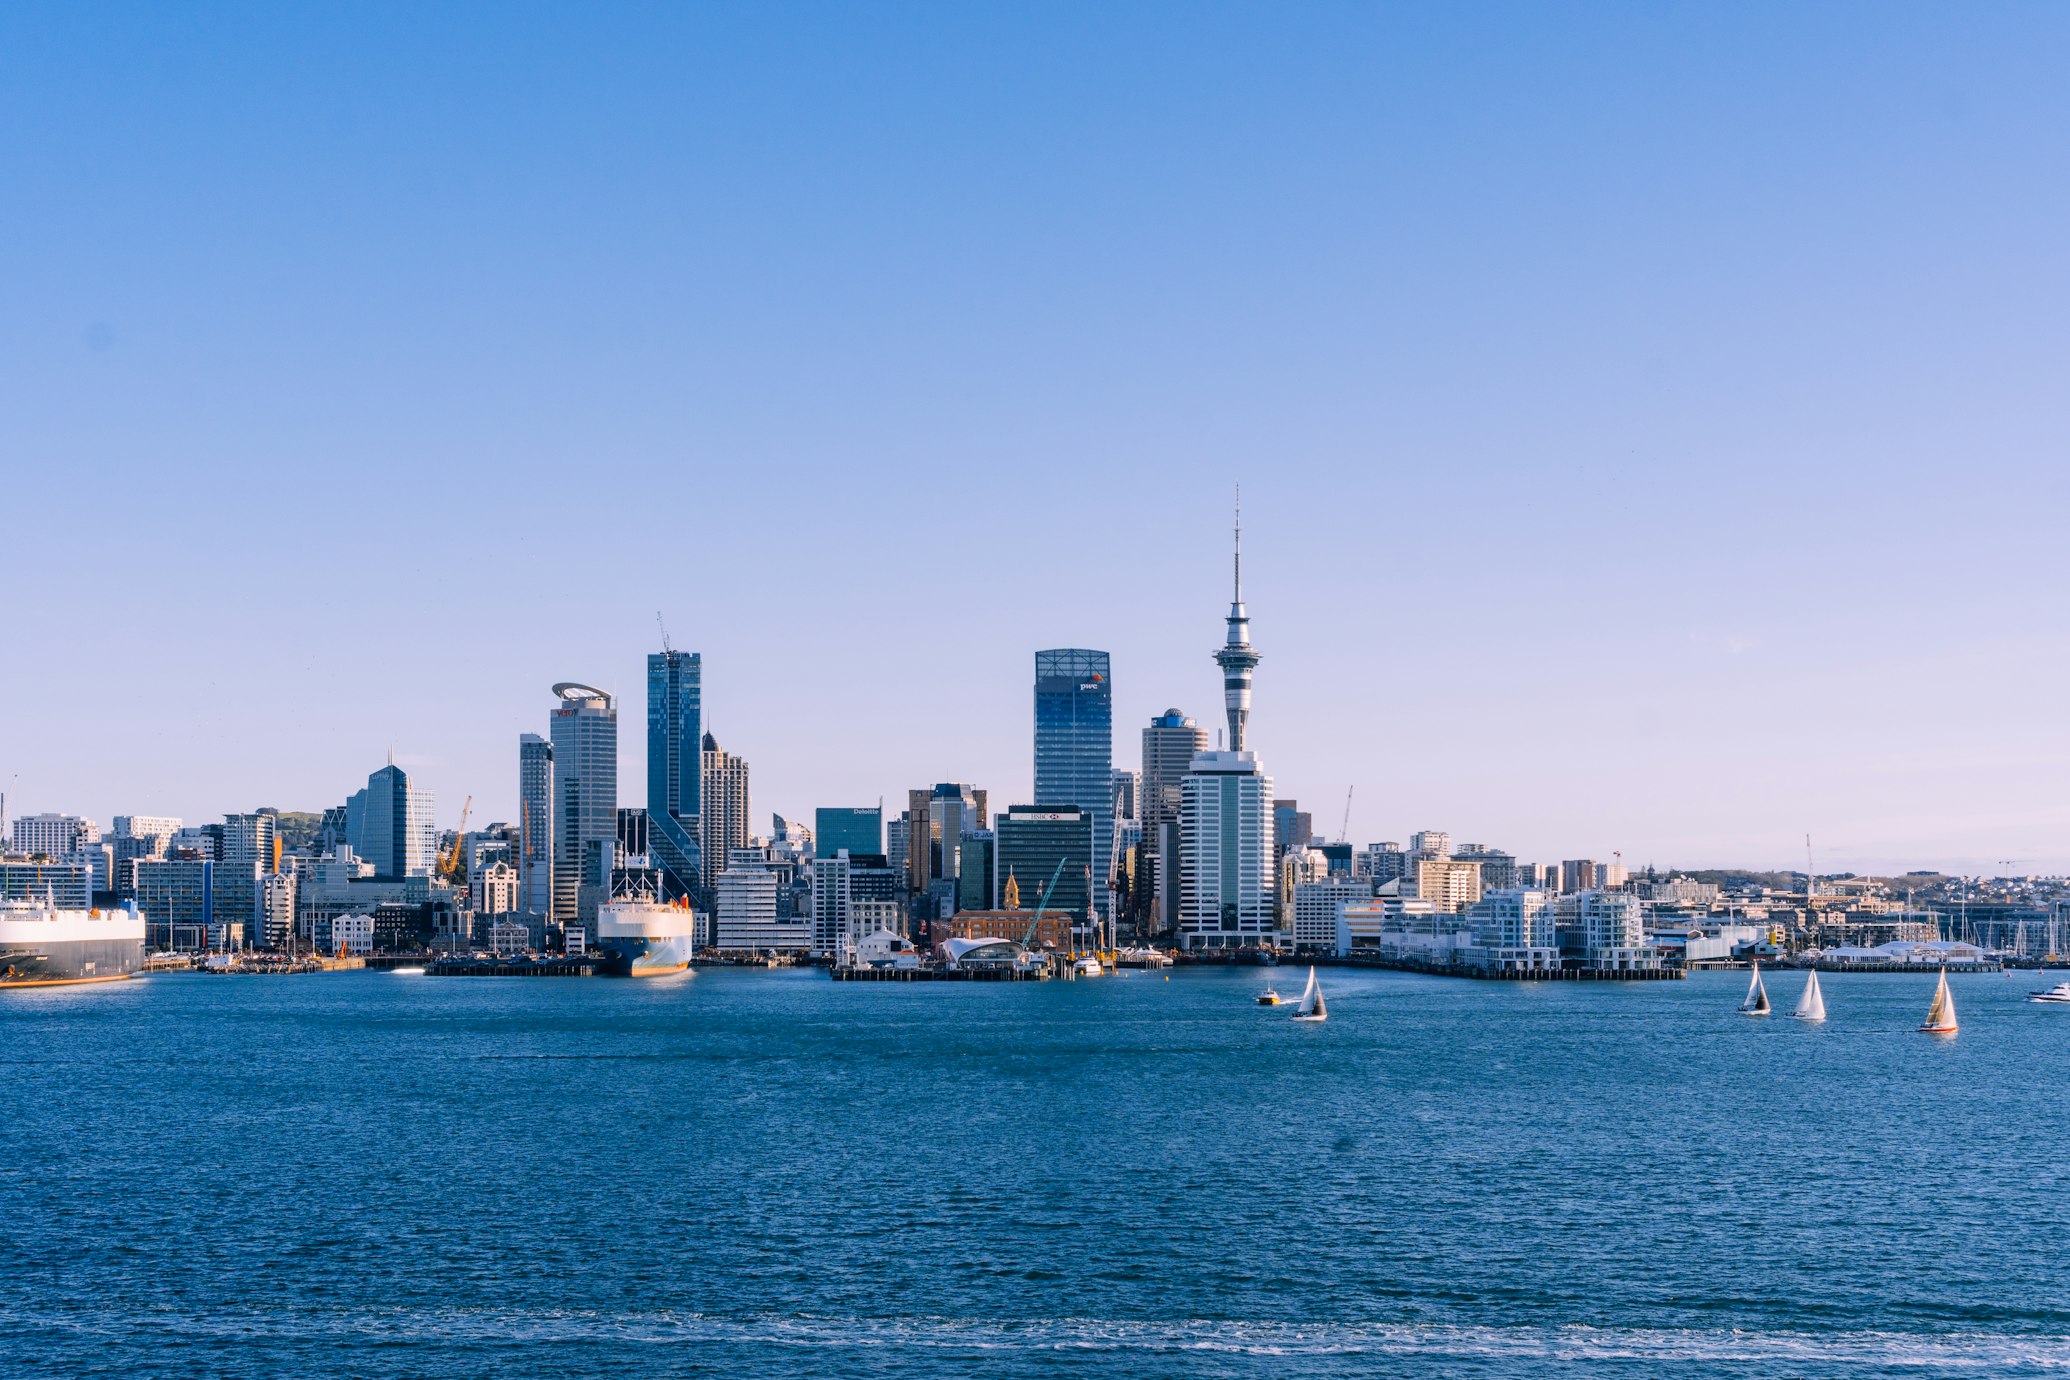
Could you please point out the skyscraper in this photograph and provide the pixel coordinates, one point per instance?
(1170, 744)
(859, 829)
(1074, 743)
(389, 824)
(535, 824)
(724, 823)
(675, 770)
(584, 732)
(1047, 846)
(1226, 889)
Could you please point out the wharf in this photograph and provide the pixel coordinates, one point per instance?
(1457, 970)
(580, 966)
(938, 974)
(1925, 969)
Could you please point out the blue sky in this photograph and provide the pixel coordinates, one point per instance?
(1650, 417)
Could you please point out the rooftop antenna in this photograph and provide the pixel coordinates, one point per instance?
(665, 648)
(1239, 543)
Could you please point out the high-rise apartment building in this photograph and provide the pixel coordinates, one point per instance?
(535, 824)
(1449, 884)
(1431, 843)
(1226, 856)
(54, 835)
(676, 771)
(1074, 741)
(857, 828)
(1292, 826)
(724, 825)
(1578, 874)
(1170, 744)
(584, 733)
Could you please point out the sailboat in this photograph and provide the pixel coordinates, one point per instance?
(1812, 1005)
(1311, 1007)
(1940, 1017)
(1756, 1003)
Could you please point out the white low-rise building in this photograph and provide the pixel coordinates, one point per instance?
(1315, 907)
(352, 934)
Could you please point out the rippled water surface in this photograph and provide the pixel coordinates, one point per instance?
(769, 1173)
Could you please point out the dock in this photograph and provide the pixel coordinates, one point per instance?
(581, 965)
(938, 974)
(1460, 970)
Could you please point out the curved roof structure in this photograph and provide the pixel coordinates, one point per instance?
(956, 950)
(576, 690)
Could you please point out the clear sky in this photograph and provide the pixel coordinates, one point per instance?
(1651, 418)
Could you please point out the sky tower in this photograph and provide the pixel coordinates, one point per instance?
(1235, 656)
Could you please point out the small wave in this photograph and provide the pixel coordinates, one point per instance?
(1867, 1350)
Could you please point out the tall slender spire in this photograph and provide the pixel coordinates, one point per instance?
(1236, 656)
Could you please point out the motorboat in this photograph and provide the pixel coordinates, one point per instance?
(1269, 997)
(1088, 966)
(2058, 993)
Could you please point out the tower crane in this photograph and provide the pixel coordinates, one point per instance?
(1344, 829)
(449, 865)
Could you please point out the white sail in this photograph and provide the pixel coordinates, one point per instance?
(1756, 1003)
(1940, 1017)
(1812, 1005)
(1309, 996)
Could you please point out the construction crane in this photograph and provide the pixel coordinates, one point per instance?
(665, 648)
(1041, 903)
(1344, 829)
(449, 866)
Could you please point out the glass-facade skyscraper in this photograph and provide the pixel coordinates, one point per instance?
(584, 735)
(675, 767)
(859, 829)
(1074, 743)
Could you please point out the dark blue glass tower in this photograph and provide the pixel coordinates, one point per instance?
(675, 767)
(1074, 744)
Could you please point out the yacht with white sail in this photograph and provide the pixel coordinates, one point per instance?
(1812, 1005)
(1312, 1007)
(1940, 1017)
(1756, 1003)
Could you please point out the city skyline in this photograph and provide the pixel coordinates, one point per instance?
(1616, 478)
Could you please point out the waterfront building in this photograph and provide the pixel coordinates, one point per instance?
(839, 885)
(1513, 930)
(1315, 908)
(675, 770)
(53, 836)
(1013, 922)
(1604, 931)
(1074, 740)
(751, 915)
(1226, 889)
(1170, 744)
(535, 824)
(726, 810)
(1293, 828)
(857, 828)
(178, 899)
(1038, 843)
(1449, 884)
(1407, 928)
(32, 877)
(276, 921)
(584, 733)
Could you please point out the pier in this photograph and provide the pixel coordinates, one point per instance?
(1460, 970)
(581, 965)
(938, 974)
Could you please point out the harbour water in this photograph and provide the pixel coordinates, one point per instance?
(760, 1173)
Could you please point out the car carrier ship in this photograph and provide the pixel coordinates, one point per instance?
(45, 945)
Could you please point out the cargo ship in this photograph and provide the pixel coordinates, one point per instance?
(44, 945)
(642, 937)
